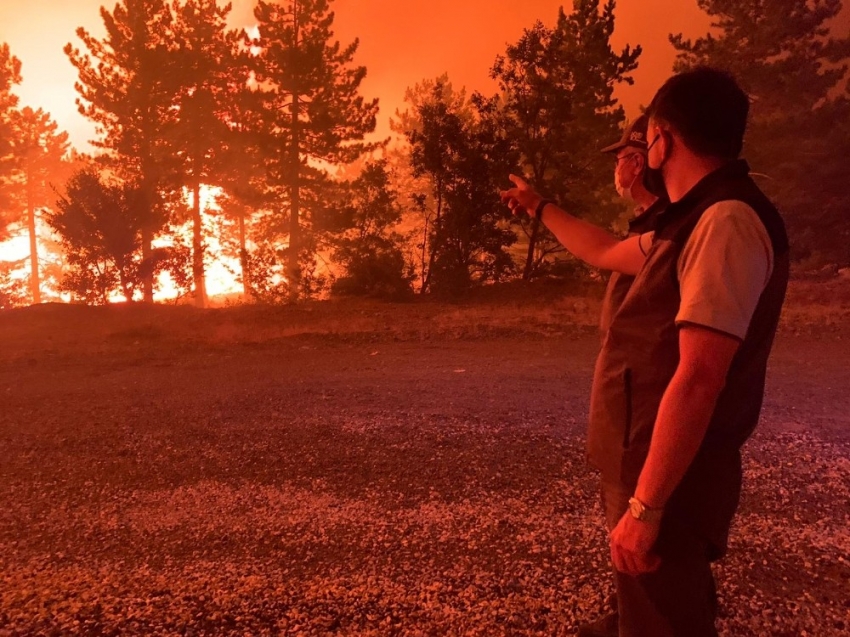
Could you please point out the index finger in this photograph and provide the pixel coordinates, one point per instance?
(519, 182)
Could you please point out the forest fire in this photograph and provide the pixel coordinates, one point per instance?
(272, 142)
(415, 222)
(222, 272)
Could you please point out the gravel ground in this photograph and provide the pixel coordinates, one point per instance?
(307, 486)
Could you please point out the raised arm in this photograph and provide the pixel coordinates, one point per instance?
(584, 240)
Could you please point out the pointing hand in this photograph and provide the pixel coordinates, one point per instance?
(520, 198)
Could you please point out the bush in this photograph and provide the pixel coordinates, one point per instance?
(374, 266)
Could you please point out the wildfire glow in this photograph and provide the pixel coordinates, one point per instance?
(15, 249)
(222, 271)
(15, 262)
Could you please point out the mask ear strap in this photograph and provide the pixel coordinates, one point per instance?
(639, 158)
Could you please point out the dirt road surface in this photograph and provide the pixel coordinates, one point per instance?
(315, 485)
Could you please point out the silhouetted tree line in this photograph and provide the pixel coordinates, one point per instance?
(273, 119)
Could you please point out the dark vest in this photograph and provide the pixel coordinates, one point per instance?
(640, 354)
(619, 283)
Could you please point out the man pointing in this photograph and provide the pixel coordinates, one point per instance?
(679, 382)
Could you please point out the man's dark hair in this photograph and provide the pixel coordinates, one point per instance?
(707, 107)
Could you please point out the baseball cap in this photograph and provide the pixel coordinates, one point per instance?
(634, 135)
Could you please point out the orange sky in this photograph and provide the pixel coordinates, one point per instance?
(401, 43)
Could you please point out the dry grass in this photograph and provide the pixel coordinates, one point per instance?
(814, 307)
(538, 310)
(509, 310)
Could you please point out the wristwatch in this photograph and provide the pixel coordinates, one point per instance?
(644, 513)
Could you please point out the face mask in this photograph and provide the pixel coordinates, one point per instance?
(624, 191)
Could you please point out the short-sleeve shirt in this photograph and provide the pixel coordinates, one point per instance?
(723, 269)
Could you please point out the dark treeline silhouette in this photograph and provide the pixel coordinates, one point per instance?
(273, 120)
(799, 133)
(558, 108)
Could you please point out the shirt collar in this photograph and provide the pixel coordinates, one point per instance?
(731, 170)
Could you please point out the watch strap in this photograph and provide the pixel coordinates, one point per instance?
(640, 511)
(538, 212)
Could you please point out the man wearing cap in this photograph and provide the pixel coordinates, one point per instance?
(629, 163)
(679, 382)
(629, 176)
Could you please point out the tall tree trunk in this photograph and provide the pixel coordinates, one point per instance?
(434, 247)
(532, 244)
(147, 260)
(149, 226)
(35, 279)
(198, 245)
(293, 267)
(422, 259)
(148, 265)
(243, 258)
(538, 170)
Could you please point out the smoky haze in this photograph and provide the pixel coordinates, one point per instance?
(401, 43)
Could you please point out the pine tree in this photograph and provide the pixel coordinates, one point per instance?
(557, 89)
(209, 79)
(783, 55)
(124, 91)
(41, 151)
(415, 188)
(461, 156)
(311, 113)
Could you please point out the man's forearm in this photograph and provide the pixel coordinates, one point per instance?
(683, 418)
(583, 240)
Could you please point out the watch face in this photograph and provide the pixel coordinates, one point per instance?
(636, 509)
